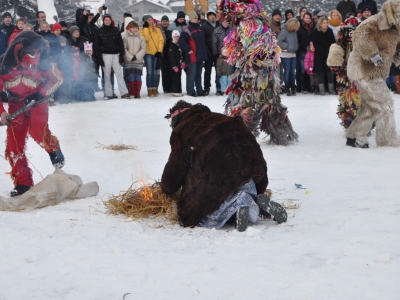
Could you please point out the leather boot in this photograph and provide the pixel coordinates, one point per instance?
(397, 83)
(132, 88)
(293, 89)
(287, 90)
(150, 92)
(331, 88)
(138, 88)
(321, 87)
(155, 92)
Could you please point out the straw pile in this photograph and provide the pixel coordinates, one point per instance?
(118, 147)
(143, 202)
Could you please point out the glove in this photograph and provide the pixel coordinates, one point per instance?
(310, 69)
(134, 58)
(121, 59)
(376, 59)
(158, 54)
(36, 96)
(183, 65)
(176, 70)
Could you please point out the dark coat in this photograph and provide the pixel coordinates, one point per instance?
(218, 39)
(344, 7)
(53, 41)
(304, 38)
(79, 42)
(208, 30)
(322, 42)
(66, 34)
(370, 3)
(175, 56)
(108, 41)
(3, 42)
(88, 29)
(167, 43)
(192, 38)
(211, 156)
(8, 30)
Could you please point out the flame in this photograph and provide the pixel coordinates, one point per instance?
(146, 192)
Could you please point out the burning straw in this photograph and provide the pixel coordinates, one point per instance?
(143, 202)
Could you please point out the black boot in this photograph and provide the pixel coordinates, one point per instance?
(293, 89)
(287, 90)
(242, 218)
(272, 208)
(302, 82)
(19, 190)
(353, 143)
(57, 158)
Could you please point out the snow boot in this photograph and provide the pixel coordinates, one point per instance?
(138, 88)
(314, 90)
(331, 89)
(287, 90)
(321, 87)
(155, 92)
(302, 82)
(132, 88)
(293, 89)
(272, 208)
(150, 92)
(353, 143)
(57, 158)
(19, 190)
(241, 218)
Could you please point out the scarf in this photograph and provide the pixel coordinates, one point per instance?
(334, 23)
(307, 26)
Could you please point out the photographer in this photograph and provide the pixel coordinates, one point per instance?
(154, 48)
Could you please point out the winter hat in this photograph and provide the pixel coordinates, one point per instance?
(63, 24)
(211, 11)
(175, 33)
(6, 14)
(127, 14)
(276, 12)
(88, 46)
(164, 18)
(322, 14)
(180, 15)
(301, 8)
(366, 7)
(146, 17)
(56, 26)
(192, 15)
(61, 38)
(288, 11)
(109, 16)
(75, 49)
(127, 21)
(73, 29)
(311, 43)
(315, 12)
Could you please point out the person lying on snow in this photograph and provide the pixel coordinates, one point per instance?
(220, 167)
(28, 74)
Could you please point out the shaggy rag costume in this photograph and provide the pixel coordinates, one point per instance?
(254, 92)
(349, 95)
(213, 157)
(376, 44)
(28, 73)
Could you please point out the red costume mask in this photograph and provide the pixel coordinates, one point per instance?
(31, 59)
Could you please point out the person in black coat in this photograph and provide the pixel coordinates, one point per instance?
(193, 45)
(6, 26)
(175, 57)
(87, 23)
(345, 7)
(304, 36)
(50, 37)
(370, 3)
(165, 66)
(323, 38)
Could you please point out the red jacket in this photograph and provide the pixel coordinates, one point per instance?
(13, 35)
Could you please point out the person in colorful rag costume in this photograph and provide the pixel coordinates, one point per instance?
(349, 95)
(254, 52)
(28, 73)
(220, 167)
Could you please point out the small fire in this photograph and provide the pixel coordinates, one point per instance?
(146, 192)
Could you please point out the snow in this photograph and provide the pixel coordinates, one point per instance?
(342, 243)
(48, 7)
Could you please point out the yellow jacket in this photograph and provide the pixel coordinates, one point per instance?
(154, 39)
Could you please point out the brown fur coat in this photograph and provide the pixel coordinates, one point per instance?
(379, 33)
(211, 156)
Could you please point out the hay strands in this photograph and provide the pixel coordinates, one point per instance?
(147, 201)
(117, 147)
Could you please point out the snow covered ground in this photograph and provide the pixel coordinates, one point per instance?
(342, 243)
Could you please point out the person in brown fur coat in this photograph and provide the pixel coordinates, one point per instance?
(376, 44)
(220, 167)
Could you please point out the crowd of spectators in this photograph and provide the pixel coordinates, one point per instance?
(93, 47)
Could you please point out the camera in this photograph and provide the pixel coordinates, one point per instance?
(104, 7)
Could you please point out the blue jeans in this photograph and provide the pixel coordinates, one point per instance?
(225, 82)
(195, 70)
(289, 70)
(134, 77)
(151, 76)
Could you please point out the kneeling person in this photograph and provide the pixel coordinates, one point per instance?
(220, 167)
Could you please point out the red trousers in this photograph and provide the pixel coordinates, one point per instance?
(35, 123)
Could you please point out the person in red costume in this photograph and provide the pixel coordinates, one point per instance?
(28, 73)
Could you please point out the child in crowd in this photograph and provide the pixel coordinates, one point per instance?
(177, 64)
(135, 49)
(77, 78)
(63, 61)
(20, 26)
(224, 70)
(90, 73)
(309, 66)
